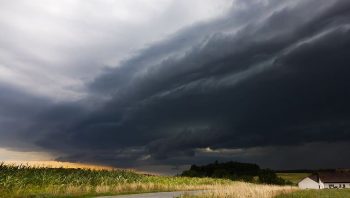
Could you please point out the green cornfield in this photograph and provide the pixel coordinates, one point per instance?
(26, 181)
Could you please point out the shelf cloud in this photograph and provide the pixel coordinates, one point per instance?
(262, 81)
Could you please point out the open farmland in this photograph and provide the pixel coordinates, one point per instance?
(293, 177)
(325, 193)
(57, 164)
(245, 190)
(26, 181)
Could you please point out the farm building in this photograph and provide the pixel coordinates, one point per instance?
(323, 180)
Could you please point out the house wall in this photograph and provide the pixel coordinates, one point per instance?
(321, 184)
(308, 183)
(336, 185)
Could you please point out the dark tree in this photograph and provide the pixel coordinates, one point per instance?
(235, 171)
(268, 176)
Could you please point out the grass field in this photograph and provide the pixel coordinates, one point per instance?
(326, 193)
(27, 181)
(293, 177)
(245, 190)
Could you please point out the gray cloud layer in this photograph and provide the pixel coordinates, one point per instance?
(269, 74)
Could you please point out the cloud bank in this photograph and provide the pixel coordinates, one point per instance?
(266, 82)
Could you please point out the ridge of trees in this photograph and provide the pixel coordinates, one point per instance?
(235, 171)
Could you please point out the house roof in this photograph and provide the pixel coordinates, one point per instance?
(334, 177)
(314, 177)
(331, 177)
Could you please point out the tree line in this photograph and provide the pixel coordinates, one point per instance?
(235, 171)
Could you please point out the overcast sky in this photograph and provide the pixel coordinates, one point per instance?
(161, 84)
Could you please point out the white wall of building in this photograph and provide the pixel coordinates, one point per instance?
(337, 185)
(308, 183)
(321, 184)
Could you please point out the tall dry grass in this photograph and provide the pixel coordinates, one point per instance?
(233, 190)
(99, 190)
(244, 190)
(28, 181)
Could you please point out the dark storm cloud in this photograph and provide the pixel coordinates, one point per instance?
(270, 74)
(16, 110)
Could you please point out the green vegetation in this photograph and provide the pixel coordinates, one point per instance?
(326, 193)
(267, 176)
(236, 171)
(25, 181)
(228, 170)
(293, 177)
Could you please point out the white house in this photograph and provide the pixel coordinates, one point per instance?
(323, 180)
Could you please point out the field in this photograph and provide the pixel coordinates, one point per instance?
(293, 177)
(26, 181)
(245, 190)
(326, 193)
(57, 164)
